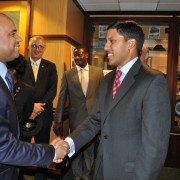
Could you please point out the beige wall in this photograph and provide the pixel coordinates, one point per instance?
(48, 17)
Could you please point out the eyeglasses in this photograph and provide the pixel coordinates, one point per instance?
(34, 46)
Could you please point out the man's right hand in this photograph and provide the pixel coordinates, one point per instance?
(61, 148)
(39, 108)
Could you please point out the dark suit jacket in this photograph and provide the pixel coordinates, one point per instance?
(79, 106)
(45, 87)
(12, 151)
(135, 126)
(24, 101)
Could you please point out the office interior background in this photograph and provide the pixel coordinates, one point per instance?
(68, 23)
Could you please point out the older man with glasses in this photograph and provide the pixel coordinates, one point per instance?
(42, 75)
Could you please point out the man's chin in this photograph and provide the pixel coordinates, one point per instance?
(110, 63)
(14, 56)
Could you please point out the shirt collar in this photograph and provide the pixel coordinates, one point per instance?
(86, 68)
(3, 70)
(127, 66)
(38, 61)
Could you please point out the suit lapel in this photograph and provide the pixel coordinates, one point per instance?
(30, 71)
(108, 94)
(41, 71)
(75, 81)
(91, 77)
(6, 90)
(124, 87)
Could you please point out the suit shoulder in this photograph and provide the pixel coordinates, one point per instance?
(151, 71)
(48, 62)
(70, 71)
(96, 68)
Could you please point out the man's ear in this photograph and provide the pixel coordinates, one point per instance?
(87, 55)
(132, 43)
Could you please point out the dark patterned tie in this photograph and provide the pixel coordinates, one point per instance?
(9, 82)
(116, 82)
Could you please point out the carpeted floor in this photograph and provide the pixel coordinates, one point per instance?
(166, 174)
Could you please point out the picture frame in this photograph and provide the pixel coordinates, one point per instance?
(102, 31)
(154, 32)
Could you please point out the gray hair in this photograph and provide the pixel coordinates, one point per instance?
(35, 38)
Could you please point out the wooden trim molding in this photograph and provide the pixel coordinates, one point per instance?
(28, 19)
(59, 37)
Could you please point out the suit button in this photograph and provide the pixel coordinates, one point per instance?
(105, 137)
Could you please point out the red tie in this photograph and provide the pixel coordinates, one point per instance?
(116, 82)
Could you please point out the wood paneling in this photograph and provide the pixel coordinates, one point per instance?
(49, 17)
(57, 49)
(75, 22)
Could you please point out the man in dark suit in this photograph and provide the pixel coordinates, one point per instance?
(14, 152)
(81, 94)
(23, 93)
(42, 75)
(133, 113)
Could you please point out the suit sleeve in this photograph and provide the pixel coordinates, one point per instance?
(15, 152)
(61, 100)
(155, 131)
(12, 151)
(51, 91)
(28, 105)
(88, 129)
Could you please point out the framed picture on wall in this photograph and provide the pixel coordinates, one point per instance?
(102, 31)
(72, 57)
(154, 32)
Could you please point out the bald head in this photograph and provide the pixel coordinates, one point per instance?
(3, 18)
(9, 39)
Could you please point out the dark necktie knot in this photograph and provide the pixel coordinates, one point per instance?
(9, 82)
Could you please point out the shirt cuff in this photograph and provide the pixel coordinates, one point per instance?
(71, 145)
(54, 156)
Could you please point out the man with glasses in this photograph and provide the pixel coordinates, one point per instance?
(42, 75)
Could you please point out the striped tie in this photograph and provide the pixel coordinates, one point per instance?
(9, 82)
(116, 82)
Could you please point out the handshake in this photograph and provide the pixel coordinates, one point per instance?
(61, 148)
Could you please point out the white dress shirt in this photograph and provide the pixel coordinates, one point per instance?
(37, 63)
(86, 72)
(3, 71)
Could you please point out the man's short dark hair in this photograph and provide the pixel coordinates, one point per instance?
(19, 64)
(81, 47)
(130, 29)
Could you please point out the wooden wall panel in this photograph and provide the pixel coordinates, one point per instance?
(55, 52)
(48, 17)
(75, 22)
